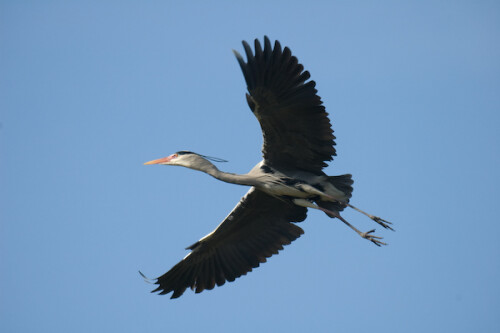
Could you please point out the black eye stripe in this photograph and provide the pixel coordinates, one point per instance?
(184, 152)
(215, 159)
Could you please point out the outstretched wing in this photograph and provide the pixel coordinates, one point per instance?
(296, 129)
(256, 228)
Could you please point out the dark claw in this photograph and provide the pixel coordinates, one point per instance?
(372, 238)
(383, 222)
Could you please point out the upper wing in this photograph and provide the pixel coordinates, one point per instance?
(257, 228)
(297, 131)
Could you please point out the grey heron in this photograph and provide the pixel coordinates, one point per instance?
(298, 141)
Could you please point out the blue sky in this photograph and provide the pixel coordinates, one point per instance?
(89, 91)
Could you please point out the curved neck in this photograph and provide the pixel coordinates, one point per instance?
(234, 178)
(227, 177)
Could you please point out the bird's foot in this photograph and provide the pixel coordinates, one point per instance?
(382, 222)
(372, 238)
(366, 235)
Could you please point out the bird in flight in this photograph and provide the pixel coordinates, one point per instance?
(298, 140)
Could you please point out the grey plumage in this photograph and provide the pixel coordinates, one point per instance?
(298, 141)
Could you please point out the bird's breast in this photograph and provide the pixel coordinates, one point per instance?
(288, 187)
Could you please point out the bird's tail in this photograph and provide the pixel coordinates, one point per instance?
(342, 183)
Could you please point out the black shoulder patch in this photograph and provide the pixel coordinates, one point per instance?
(291, 181)
(266, 169)
(319, 187)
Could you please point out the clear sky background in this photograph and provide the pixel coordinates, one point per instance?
(89, 91)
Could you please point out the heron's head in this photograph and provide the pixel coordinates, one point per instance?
(186, 159)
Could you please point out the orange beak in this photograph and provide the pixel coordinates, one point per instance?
(160, 160)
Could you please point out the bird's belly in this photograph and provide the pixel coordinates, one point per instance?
(280, 190)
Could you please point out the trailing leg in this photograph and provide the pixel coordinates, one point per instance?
(366, 235)
(377, 219)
